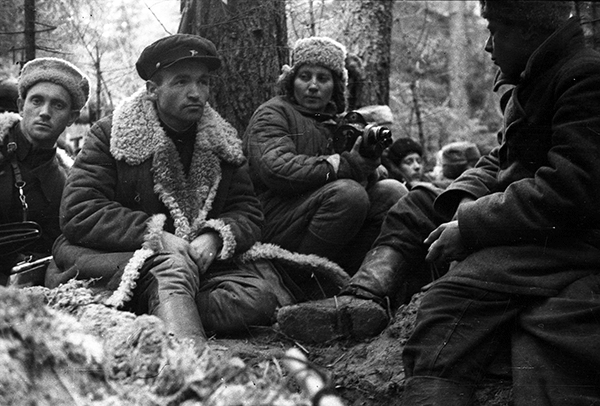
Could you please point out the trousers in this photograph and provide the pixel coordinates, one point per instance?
(339, 221)
(230, 298)
(554, 345)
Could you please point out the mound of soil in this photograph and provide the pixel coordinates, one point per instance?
(61, 347)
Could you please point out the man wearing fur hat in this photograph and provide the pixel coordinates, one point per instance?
(315, 201)
(51, 93)
(525, 233)
(159, 205)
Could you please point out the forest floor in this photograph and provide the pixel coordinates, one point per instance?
(60, 347)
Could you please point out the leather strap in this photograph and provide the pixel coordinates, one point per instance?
(19, 182)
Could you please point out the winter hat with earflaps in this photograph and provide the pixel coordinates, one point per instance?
(57, 71)
(457, 157)
(321, 51)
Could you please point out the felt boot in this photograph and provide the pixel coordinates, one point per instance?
(181, 317)
(362, 310)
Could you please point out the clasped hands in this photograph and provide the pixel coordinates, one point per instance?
(445, 242)
(202, 250)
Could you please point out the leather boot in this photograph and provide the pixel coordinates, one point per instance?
(181, 317)
(360, 311)
(381, 276)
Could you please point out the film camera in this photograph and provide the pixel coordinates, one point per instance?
(352, 125)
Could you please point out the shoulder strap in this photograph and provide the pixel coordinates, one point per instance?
(11, 148)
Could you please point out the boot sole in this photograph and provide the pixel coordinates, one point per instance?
(322, 321)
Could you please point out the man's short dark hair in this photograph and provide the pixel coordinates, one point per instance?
(541, 15)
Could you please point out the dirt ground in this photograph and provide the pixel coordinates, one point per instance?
(60, 347)
(364, 373)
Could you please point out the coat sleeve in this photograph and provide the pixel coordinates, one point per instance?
(560, 199)
(238, 219)
(273, 155)
(90, 216)
(474, 183)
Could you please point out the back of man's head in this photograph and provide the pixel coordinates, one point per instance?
(59, 72)
(543, 15)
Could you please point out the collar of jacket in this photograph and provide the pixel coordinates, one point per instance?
(328, 114)
(7, 121)
(562, 42)
(137, 134)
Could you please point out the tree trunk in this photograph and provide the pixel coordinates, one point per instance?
(457, 61)
(30, 47)
(368, 34)
(589, 14)
(251, 38)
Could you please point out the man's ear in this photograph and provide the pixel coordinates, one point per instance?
(151, 88)
(20, 104)
(74, 116)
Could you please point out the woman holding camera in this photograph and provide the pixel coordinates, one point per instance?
(315, 201)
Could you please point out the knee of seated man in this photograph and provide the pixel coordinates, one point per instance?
(234, 305)
(175, 271)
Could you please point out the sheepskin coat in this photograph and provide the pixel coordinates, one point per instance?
(128, 184)
(44, 182)
(129, 172)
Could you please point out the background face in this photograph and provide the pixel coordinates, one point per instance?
(46, 112)
(411, 166)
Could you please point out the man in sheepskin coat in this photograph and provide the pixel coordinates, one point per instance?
(51, 93)
(159, 205)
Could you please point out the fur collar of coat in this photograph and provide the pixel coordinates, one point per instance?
(137, 135)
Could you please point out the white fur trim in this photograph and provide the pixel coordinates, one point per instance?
(7, 121)
(131, 273)
(334, 161)
(319, 265)
(129, 278)
(226, 235)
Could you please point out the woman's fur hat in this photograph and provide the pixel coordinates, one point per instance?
(546, 15)
(57, 71)
(322, 51)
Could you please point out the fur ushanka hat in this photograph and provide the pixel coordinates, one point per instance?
(57, 71)
(403, 147)
(322, 51)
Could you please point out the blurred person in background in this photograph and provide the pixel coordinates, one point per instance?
(403, 161)
(452, 160)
